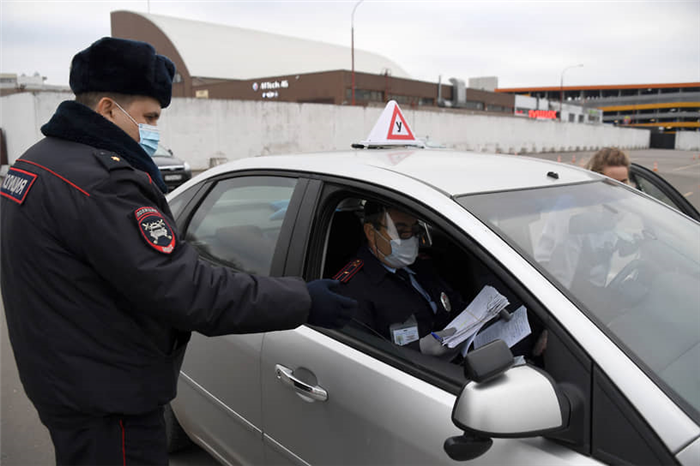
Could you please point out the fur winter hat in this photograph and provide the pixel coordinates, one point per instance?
(125, 67)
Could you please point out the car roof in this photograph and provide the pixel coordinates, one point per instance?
(452, 172)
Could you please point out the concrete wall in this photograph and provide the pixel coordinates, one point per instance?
(21, 117)
(688, 140)
(200, 130)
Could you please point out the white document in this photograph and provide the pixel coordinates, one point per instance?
(470, 340)
(487, 304)
(511, 331)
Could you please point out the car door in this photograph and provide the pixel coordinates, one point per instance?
(347, 397)
(652, 184)
(241, 222)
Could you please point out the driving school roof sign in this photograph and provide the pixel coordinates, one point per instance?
(391, 129)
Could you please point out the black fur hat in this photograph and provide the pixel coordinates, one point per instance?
(125, 67)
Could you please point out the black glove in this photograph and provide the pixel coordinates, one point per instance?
(329, 309)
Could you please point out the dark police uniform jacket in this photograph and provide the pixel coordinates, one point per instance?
(100, 291)
(385, 299)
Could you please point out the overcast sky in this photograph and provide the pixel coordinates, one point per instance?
(523, 43)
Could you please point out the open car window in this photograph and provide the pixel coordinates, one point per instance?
(461, 271)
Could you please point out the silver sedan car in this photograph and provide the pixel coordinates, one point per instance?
(609, 278)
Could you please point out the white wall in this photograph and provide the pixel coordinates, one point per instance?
(21, 117)
(198, 130)
(688, 140)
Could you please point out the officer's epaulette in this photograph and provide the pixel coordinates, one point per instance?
(349, 271)
(110, 160)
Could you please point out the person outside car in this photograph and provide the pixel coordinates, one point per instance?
(99, 288)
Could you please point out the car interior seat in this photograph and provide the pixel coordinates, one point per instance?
(345, 236)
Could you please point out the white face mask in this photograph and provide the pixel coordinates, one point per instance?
(403, 252)
(149, 135)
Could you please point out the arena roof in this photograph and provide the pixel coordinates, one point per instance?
(226, 52)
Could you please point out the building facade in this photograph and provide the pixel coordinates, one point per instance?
(664, 108)
(212, 63)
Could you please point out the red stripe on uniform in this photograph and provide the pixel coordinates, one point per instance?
(340, 273)
(347, 272)
(352, 274)
(55, 174)
(123, 445)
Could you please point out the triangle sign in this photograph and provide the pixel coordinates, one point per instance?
(391, 129)
(398, 128)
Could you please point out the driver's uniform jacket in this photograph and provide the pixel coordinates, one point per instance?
(99, 311)
(385, 299)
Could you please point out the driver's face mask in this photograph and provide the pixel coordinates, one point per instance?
(404, 244)
(149, 135)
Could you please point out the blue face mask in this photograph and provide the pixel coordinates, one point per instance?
(149, 135)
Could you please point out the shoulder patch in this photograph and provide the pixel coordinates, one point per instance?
(155, 229)
(110, 160)
(349, 271)
(17, 184)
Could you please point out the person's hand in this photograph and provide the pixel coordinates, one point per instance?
(328, 308)
(432, 347)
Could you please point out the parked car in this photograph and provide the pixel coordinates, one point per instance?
(622, 361)
(609, 278)
(174, 171)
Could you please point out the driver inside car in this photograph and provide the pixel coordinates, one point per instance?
(401, 297)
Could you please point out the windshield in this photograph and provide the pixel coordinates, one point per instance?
(632, 263)
(162, 152)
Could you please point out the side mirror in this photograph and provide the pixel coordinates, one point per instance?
(520, 401)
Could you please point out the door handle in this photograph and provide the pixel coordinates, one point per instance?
(286, 375)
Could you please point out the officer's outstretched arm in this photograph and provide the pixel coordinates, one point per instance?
(135, 246)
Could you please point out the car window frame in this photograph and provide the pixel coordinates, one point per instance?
(680, 202)
(577, 437)
(314, 236)
(279, 255)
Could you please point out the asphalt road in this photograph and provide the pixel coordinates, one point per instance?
(24, 441)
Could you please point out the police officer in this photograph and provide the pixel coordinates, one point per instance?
(400, 296)
(100, 291)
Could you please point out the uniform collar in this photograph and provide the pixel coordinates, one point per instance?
(76, 122)
(376, 270)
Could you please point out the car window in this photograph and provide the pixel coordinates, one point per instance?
(239, 221)
(633, 264)
(177, 205)
(162, 151)
(655, 186)
(445, 270)
(648, 187)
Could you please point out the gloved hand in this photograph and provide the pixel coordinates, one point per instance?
(329, 309)
(432, 347)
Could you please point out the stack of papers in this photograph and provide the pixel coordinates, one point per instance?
(510, 331)
(487, 304)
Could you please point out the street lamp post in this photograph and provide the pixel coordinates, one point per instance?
(561, 88)
(352, 47)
